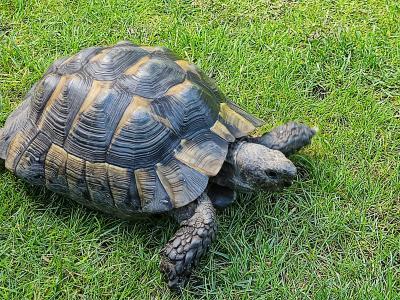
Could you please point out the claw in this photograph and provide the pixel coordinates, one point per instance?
(182, 252)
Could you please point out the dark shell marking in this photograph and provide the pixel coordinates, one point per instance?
(124, 129)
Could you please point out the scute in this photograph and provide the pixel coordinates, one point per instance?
(58, 115)
(32, 162)
(96, 121)
(19, 144)
(55, 169)
(123, 188)
(152, 194)
(44, 90)
(17, 121)
(109, 63)
(161, 52)
(204, 152)
(141, 142)
(124, 129)
(238, 122)
(97, 184)
(188, 108)
(152, 78)
(181, 182)
(197, 76)
(74, 63)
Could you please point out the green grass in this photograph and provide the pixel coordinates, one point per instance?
(335, 234)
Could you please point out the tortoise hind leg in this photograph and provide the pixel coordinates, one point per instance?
(184, 250)
(287, 138)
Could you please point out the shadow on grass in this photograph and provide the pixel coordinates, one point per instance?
(62, 207)
(159, 228)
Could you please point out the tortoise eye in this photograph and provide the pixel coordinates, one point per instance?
(272, 174)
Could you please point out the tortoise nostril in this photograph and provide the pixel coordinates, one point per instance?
(271, 173)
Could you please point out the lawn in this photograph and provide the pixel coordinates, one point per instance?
(335, 234)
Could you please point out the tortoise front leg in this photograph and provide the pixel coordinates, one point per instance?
(184, 250)
(287, 138)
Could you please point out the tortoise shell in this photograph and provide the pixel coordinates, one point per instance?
(124, 129)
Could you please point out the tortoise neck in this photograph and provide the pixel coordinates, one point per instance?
(233, 150)
(227, 176)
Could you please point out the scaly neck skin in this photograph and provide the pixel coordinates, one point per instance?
(228, 175)
(250, 166)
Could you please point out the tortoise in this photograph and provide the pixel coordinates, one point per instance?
(132, 130)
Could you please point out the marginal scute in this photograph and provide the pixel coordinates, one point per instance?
(205, 153)
(18, 145)
(238, 123)
(125, 43)
(32, 162)
(161, 52)
(181, 182)
(152, 194)
(123, 188)
(223, 132)
(187, 66)
(97, 184)
(151, 49)
(55, 169)
(76, 179)
(17, 120)
(254, 120)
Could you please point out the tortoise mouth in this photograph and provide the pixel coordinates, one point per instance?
(273, 187)
(287, 183)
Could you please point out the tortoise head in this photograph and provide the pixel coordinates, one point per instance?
(255, 166)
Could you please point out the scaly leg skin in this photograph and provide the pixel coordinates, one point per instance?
(184, 250)
(287, 138)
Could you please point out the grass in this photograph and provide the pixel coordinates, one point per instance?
(333, 235)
